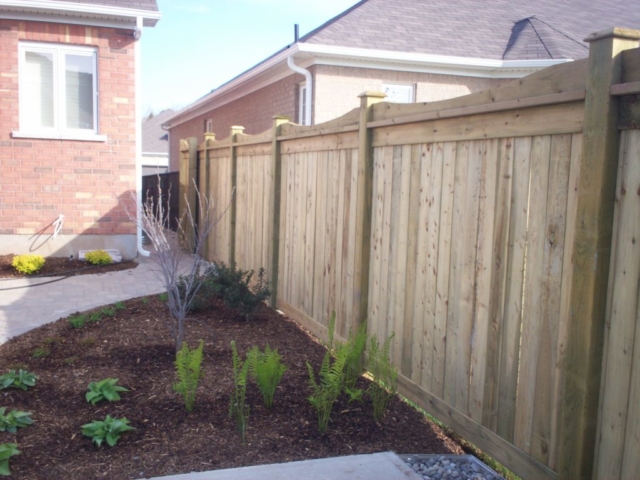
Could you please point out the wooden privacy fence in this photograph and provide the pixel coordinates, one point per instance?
(486, 232)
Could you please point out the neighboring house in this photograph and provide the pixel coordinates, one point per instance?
(155, 143)
(414, 50)
(69, 123)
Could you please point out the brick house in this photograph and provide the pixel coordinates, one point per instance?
(413, 50)
(69, 123)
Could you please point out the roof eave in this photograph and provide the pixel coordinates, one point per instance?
(315, 54)
(76, 13)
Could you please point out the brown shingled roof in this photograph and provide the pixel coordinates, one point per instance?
(494, 29)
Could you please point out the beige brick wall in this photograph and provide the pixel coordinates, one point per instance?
(79, 179)
(337, 88)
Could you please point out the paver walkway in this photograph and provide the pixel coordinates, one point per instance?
(22, 309)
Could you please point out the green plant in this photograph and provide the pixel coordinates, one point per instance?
(41, 352)
(13, 420)
(163, 297)
(87, 342)
(119, 306)
(238, 407)
(108, 311)
(267, 369)
(23, 379)
(51, 340)
(354, 346)
(28, 263)
(104, 390)
(385, 376)
(77, 321)
(326, 391)
(95, 317)
(234, 286)
(98, 257)
(70, 360)
(7, 450)
(188, 369)
(145, 300)
(108, 429)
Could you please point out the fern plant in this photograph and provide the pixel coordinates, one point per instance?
(238, 408)
(267, 369)
(329, 386)
(385, 377)
(354, 347)
(188, 364)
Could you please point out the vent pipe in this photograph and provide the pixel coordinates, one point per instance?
(296, 33)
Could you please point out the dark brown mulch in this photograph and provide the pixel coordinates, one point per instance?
(62, 266)
(134, 346)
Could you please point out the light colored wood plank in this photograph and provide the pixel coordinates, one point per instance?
(512, 316)
(352, 300)
(375, 269)
(321, 213)
(394, 242)
(310, 234)
(342, 322)
(480, 333)
(532, 308)
(349, 119)
(631, 459)
(321, 143)
(386, 241)
(254, 150)
(330, 245)
(556, 119)
(630, 66)
(445, 240)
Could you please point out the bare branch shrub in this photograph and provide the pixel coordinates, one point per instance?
(182, 284)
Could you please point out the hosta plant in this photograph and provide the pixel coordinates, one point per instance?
(13, 420)
(98, 257)
(266, 369)
(108, 429)
(28, 263)
(188, 369)
(7, 450)
(22, 379)
(106, 389)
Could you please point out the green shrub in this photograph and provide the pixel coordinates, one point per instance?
(108, 311)
(7, 450)
(41, 352)
(267, 370)
(238, 407)
(23, 379)
(95, 317)
(119, 306)
(108, 429)
(98, 257)
(77, 321)
(104, 390)
(28, 263)
(13, 420)
(326, 391)
(233, 286)
(188, 369)
(385, 377)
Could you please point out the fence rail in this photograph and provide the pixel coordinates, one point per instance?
(478, 230)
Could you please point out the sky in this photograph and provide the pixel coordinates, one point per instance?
(200, 44)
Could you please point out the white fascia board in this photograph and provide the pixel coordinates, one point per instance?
(76, 13)
(313, 54)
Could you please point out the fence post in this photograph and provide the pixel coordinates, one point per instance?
(364, 205)
(205, 183)
(274, 208)
(591, 257)
(188, 169)
(235, 131)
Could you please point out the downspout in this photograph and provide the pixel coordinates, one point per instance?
(138, 74)
(309, 85)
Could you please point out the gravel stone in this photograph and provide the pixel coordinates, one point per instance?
(450, 467)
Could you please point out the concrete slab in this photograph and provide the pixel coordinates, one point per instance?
(383, 466)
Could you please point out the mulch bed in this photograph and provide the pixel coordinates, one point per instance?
(62, 266)
(135, 347)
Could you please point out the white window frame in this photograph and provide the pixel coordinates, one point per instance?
(208, 127)
(408, 87)
(302, 105)
(59, 130)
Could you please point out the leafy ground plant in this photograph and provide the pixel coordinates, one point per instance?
(267, 369)
(7, 450)
(28, 263)
(22, 379)
(13, 420)
(98, 257)
(329, 386)
(188, 364)
(353, 349)
(77, 321)
(385, 377)
(41, 352)
(108, 429)
(238, 408)
(106, 389)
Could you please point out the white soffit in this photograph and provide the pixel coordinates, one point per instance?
(76, 13)
(307, 55)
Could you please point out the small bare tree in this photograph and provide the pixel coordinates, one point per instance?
(182, 284)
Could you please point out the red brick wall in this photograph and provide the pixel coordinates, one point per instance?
(40, 179)
(254, 112)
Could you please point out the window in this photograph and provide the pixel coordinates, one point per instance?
(302, 104)
(208, 125)
(398, 93)
(58, 91)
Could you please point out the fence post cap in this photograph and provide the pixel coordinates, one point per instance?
(615, 32)
(373, 94)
